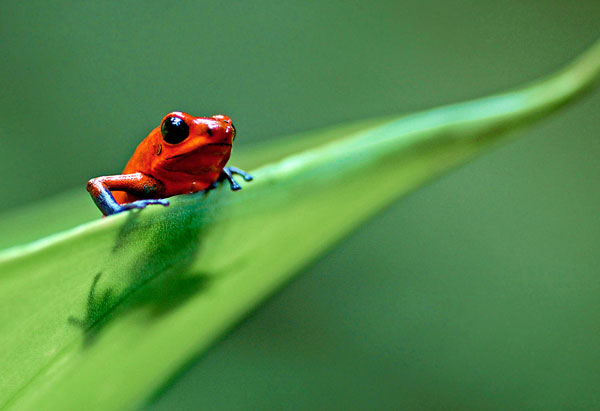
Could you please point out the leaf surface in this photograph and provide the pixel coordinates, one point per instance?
(101, 315)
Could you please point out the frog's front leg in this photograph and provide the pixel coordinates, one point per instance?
(228, 173)
(137, 184)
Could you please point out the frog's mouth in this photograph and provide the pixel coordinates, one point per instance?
(201, 151)
(208, 158)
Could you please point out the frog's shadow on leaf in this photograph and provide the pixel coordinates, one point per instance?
(158, 279)
(159, 297)
(96, 306)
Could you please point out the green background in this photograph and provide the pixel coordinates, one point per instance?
(481, 290)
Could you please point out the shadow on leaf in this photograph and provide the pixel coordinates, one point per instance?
(150, 252)
(95, 308)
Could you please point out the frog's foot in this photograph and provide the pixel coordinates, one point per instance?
(240, 172)
(228, 173)
(139, 204)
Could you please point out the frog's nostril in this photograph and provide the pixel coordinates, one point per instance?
(222, 118)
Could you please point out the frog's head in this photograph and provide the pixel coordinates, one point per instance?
(198, 146)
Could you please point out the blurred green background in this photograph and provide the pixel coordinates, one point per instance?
(481, 290)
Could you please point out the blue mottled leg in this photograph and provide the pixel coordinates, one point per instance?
(105, 201)
(232, 183)
(240, 172)
(139, 204)
(137, 184)
(228, 173)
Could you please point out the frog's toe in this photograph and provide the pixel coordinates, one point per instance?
(159, 201)
(139, 204)
(240, 172)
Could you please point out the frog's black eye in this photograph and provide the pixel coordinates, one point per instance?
(174, 130)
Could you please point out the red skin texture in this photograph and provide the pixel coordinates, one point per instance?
(172, 169)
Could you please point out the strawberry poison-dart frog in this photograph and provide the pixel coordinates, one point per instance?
(185, 154)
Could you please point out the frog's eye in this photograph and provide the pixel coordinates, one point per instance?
(174, 130)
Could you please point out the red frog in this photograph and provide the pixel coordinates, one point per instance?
(185, 154)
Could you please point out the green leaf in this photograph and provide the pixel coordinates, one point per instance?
(102, 315)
